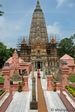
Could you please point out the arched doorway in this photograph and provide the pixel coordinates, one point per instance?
(38, 65)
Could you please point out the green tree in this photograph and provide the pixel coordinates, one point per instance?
(73, 37)
(66, 46)
(4, 53)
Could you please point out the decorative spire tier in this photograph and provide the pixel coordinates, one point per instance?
(38, 6)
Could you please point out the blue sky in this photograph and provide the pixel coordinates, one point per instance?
(16, 21)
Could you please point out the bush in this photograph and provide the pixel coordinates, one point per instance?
(72, 78)
(20, 87)
(54, 90)
(1, 80)
(16, 77)
(11, 82)
(71, 90)
(1, 92)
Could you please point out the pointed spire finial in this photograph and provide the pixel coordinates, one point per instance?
(38, 5)
(38, 2)
(15, 54)
(23, 41)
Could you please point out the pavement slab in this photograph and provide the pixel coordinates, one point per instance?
(20, 102)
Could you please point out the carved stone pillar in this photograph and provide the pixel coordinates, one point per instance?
(49, 82)
(6, 74)
(26, 86)
(65, 72)
(33, 103)
(58, 86)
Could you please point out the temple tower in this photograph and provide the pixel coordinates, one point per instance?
(24, 50)
(38, 29)
(38, 37)
(38, 50)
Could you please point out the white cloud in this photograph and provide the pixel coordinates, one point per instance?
(54, 29)
(7, 28)
(60, 2)
(10, 31)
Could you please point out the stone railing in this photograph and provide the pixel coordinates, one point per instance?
(73, 98)
(5, 102)
(67, 104)
(2, 95)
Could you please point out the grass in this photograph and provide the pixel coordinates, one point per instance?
(71, 78)
(1, 92)
(71, 90)
(1, 79)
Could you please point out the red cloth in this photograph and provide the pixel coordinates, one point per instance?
(38, 73)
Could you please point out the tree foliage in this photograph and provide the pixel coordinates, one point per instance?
(67, 46)
(5, 53)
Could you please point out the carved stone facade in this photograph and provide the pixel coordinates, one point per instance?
(24, 51)
(39, 50)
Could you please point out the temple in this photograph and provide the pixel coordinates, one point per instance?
(38, 50)
(33, 79)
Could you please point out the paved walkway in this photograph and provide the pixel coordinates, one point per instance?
(47, 101)
(53, 101)
(69, 99)
(20, 102)
(68, 105)
(41, 100)
(4, 98)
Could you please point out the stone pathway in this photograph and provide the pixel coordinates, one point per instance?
(48, 101)
(68, 105)
(20, 102)
(53, 102)
(69, 99)
(4, 98)
(41, 100)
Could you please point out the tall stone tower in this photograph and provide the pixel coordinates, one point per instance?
(38, 50)
(38, 37)
(38, 29)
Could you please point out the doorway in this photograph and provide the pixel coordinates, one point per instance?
(38, 65)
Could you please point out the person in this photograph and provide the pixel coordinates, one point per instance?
(38, 73)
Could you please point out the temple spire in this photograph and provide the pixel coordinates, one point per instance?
(38, 30)
(23, 41)
(38, 5)
(38, 2)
